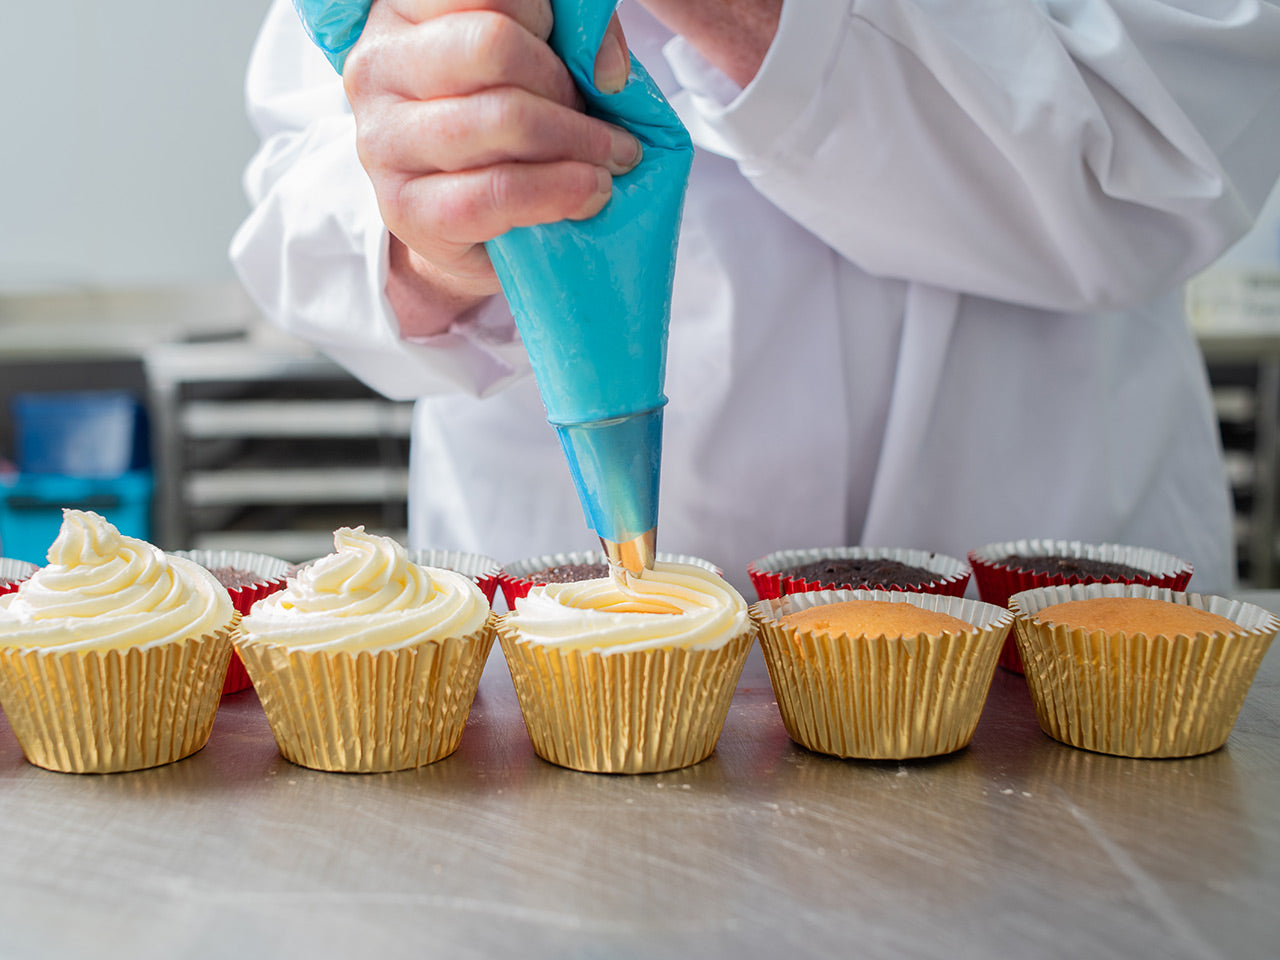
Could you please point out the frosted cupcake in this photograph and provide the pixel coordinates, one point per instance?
(366, 662)
(521, 576)
(881, 675)
(112, 657)
(247, 577)
(627, 674)
(1139, 671)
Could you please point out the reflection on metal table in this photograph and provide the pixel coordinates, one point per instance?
(1015, 846)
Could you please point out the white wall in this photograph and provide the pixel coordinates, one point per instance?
(125, 136)
(124, 139)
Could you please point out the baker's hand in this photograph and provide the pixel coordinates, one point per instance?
(468, 125)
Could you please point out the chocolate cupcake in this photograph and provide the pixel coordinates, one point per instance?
(1004, 568)
(248, 577)
(857, 568)
(13, 572)
(1138, 671)
(516, 579)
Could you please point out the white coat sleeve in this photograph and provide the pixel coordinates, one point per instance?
(313, 251)
(1062, 154)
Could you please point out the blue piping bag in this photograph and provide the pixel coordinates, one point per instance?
(592, 301)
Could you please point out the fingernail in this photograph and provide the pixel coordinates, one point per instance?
(613, 66)
(626, 152)
(604, 181)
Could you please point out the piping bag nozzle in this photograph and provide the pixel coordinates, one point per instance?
(615, 465)
(592, 300)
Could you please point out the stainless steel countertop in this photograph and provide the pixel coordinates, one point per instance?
(1017, 846)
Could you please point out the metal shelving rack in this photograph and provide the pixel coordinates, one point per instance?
(268, 446)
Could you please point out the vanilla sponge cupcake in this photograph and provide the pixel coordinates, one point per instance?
(881, 675)
(627, 674)
(1139, 671)
(366, 662)
(112, 656)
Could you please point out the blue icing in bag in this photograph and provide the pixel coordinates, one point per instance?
(592, 299)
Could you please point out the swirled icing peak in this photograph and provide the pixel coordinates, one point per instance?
(672, 605)
(366, 595)
(103, 590)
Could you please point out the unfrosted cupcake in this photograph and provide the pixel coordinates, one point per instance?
(366, 662)
(518, 578)
(1139, 671)
(627, 674)
(1007, 567)
(857, 568)
(13, 572)
(880, 674)
(247, 577)
(112, 657)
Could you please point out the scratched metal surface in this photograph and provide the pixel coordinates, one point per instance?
(1016, 846)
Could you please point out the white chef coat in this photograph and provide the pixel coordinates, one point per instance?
(926, 295)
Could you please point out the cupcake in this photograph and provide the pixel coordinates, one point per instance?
(480, 569)
(857, 568)
(878, 674)
(627, 674)
(1138, 671)
(1002, 569)
(516, 579)
(13, 572)
(366, 662)
(112, 657)
(247, 577)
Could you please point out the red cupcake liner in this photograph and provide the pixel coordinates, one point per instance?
(515, 583)
(13, 572)
(766, 573)
(273, 571)
(997, 582)
(484, 571)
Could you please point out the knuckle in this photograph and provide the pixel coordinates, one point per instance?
(357, 74)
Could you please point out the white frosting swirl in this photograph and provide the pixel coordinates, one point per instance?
(367, 596)
(672, 605)
(105, 591)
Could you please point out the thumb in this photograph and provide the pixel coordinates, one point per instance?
(613, 62)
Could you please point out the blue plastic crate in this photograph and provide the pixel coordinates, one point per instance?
(86, 433)
(31, 508)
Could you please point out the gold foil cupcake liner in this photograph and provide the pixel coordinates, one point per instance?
(1139, 695)
(92, 711)
(371, 711)
(881, 698)
(642, 711)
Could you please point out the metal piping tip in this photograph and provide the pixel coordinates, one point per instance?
(636, 555)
